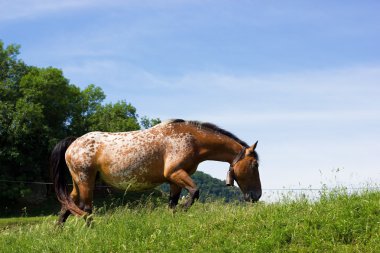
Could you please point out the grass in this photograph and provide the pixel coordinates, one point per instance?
(6, 223)
(337, 222)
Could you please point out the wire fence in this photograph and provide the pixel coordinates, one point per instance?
(43, 183)
(264, 189)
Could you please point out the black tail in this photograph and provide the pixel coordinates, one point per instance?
(57, 172)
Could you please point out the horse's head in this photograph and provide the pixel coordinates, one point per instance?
(245, 171)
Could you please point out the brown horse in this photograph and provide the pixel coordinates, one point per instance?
(169, 152)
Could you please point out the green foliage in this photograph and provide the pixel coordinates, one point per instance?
(39, 107)
(338, 222)
(211, 188)
(118, 117)
(35, 103)
(148, 123)
(11, 72)
(85, 105)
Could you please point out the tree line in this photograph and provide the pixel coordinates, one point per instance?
(39, 107)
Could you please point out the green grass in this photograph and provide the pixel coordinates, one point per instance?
(338, 222)
(6, 223)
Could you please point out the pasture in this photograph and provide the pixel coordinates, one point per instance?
(336, 222)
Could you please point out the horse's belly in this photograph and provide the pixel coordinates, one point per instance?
(131, 164)
(133, 178)
(131, 185)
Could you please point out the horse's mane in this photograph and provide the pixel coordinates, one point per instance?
(212, 127)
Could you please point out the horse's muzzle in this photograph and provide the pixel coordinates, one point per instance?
(252, 196)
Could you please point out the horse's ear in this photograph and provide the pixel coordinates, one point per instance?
(251, 149)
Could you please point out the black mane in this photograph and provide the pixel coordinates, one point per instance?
(212, 127)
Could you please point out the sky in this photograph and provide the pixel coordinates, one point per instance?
(301, 77)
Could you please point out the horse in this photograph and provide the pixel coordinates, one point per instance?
(138, 160)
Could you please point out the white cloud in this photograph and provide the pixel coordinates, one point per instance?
(257, 117)
(349, 94)
(339, 95)
(119, 76)
(16, 9)
(31, 8)
(342, 81)
(345, 79)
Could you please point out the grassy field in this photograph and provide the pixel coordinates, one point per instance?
(338, 222)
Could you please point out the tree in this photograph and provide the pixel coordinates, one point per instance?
(118, 117)
(34, 119)
(39, 107)
(148, 123)
(11, 72)
(85, 106)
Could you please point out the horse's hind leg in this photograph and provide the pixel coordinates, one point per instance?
(65, 213)
(86, 186)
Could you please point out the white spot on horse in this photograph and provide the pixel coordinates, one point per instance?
(179, 145)
(83, 177)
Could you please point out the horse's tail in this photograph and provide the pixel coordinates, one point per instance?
(57, 171)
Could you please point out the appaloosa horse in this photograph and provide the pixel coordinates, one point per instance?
(168, 152)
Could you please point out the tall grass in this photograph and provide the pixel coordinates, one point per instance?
(337, 222)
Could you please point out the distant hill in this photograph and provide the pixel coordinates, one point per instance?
(210, 188)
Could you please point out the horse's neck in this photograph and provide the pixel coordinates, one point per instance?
(219, 148)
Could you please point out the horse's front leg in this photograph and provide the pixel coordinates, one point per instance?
(183, 180)
(175, 193)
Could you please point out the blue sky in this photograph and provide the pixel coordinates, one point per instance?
(302, 77)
